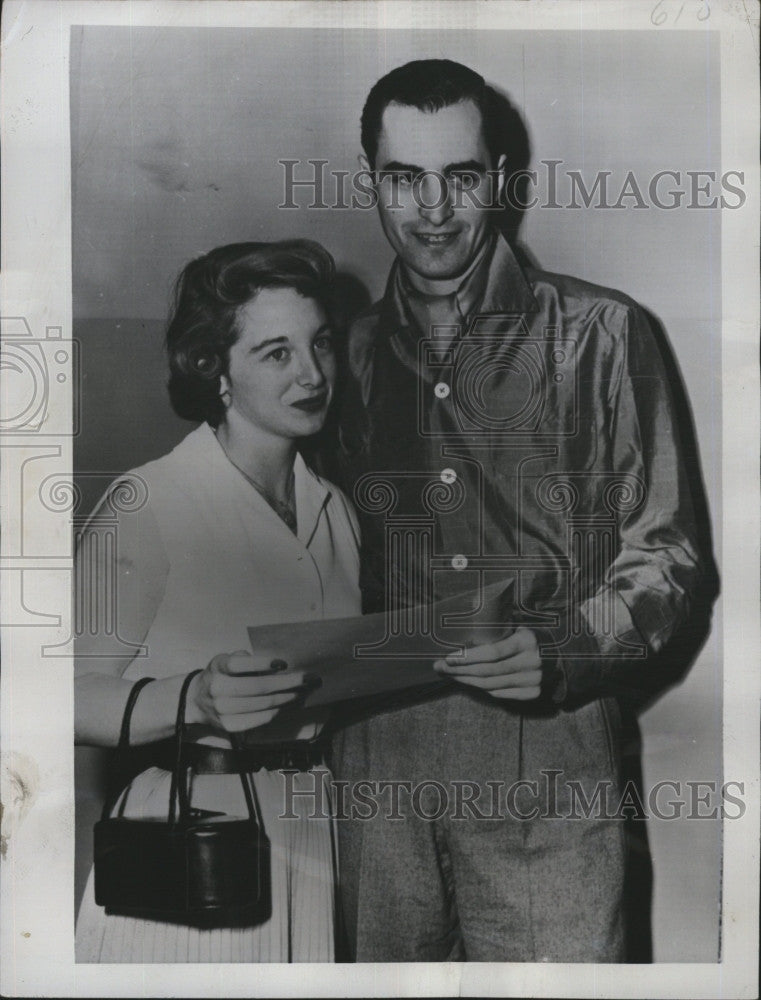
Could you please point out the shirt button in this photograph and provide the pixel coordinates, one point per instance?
(459, 562)
(441, 390)
(312, 606)
(448, 476)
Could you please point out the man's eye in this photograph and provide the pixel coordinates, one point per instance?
(467, 178)
(399, 178)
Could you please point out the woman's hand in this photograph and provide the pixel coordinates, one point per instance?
(238, 691)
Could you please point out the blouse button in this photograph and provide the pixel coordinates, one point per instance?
(448, 476)
(459, 562)
(441, 390)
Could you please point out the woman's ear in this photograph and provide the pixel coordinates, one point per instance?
(224, 390)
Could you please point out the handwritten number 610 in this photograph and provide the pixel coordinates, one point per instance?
(660, 14)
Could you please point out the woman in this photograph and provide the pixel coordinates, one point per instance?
(234, 531)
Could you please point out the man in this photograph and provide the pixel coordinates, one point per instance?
(513, 436)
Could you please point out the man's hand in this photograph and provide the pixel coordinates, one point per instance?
(506, 668)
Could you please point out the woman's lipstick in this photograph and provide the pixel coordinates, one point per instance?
(312, 404)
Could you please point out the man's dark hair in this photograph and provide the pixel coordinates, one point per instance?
(430, 85)
(208, 295)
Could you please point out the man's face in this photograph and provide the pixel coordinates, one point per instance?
(433, 187)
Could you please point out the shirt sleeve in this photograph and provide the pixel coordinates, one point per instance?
(647, 591)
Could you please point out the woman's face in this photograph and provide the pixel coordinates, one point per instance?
(282, 367)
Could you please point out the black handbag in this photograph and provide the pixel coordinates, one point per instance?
(196, 867)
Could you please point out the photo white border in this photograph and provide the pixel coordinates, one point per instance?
(36, 703)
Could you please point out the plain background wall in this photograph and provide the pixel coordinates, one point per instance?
(176, 134)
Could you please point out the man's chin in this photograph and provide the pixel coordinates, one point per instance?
(437, 269)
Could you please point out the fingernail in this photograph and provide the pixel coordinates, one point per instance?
(278, 665)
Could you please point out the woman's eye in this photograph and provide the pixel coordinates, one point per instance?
(278, 354)
(324, 342)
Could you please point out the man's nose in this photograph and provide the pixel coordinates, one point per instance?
(434, 199)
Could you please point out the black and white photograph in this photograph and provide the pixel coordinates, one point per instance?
(380, 499)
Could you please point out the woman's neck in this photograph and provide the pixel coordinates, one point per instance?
(265, 459)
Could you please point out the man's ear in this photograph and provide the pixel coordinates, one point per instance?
(501, 164)
(364, 163)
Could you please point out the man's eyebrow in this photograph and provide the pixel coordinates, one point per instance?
(465, 165)
(395, 167)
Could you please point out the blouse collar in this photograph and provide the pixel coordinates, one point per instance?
(311, 494)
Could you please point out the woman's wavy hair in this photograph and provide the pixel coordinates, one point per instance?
(208, 295)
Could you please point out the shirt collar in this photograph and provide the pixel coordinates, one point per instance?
(507, 289)
(498, 285)
(312, 496)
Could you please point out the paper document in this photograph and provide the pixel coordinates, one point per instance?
(379, 653)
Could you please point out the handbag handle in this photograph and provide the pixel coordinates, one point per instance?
(179, 732)
(179, 786)
(121, 750)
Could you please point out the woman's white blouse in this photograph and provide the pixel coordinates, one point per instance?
(230, 561)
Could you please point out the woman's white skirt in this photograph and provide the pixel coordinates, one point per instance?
(301, 927)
